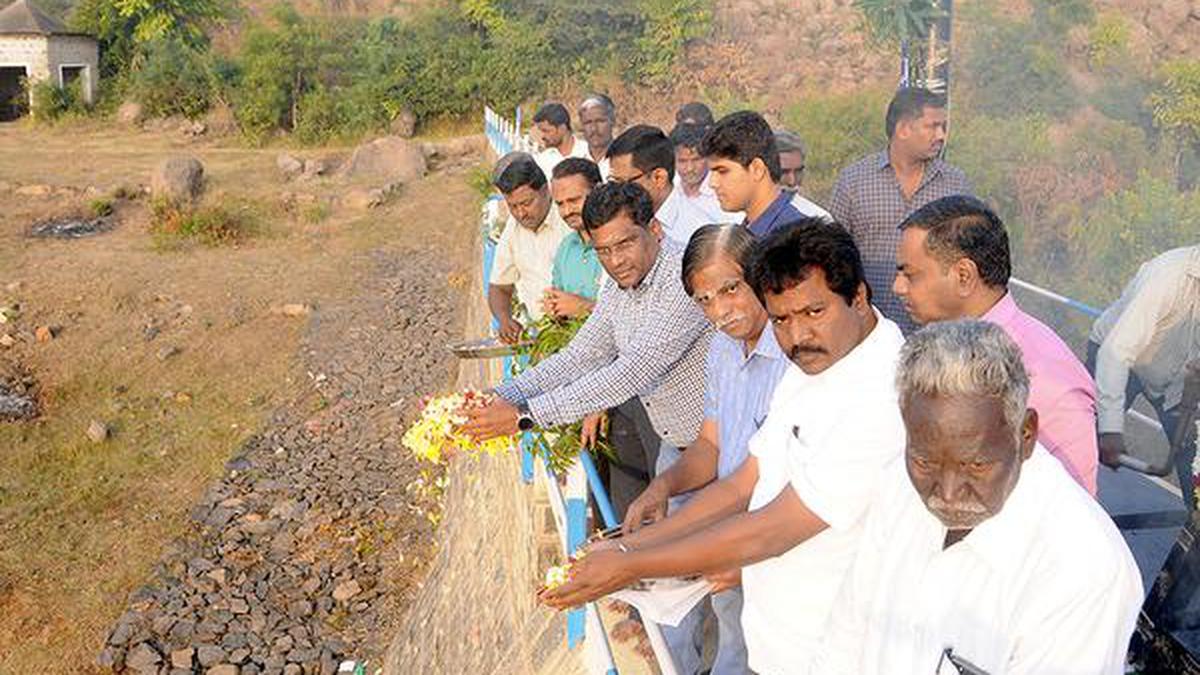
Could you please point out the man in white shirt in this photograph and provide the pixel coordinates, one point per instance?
(691, 174)
(980, 551)
(743, 162)
(597, 118)
(1143, 344)
(524, 261)
(553, 123)
(791, 513)
(644, 155)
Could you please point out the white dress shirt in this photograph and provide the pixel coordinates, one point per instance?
(706, 200)
(809, 208)
(525, 259)
(828, 437)
(680, 217)
(1047, 585)
(550, 157)
(1154, 330)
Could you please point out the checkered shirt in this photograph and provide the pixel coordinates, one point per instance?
(867, 200)
(650, 341)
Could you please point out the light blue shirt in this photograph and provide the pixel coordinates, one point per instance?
(738, 391)
(577, 267)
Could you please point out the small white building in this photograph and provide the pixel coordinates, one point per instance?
(36, 47)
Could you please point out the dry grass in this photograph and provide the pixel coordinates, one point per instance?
(81, 523)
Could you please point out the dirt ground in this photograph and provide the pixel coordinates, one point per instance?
(176, 350)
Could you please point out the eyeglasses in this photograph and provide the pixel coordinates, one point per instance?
(614, 179)
(617, 248)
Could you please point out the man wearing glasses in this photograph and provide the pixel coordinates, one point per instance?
(646, 156)
(980, 553)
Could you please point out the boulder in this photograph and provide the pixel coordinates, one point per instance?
(390, 158)
(362, 199)
(220, 120)
(130, 112)
(404, 124)
(318, 166)
(178, 179)
(289, 165)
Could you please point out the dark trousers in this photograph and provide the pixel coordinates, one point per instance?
(1169, 420)
(635, 444)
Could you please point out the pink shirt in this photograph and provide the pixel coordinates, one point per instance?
(1060, 390)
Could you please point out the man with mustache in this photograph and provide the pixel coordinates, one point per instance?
(953, 263)
(744, 171)
(553, 124)
(644, 338)
(525, 253)
(744, 364)
(980, 551)
(875, 194)
(597, 118)
(791, 514)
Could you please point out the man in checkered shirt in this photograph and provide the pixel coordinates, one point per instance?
(645, 338)
(875, 194)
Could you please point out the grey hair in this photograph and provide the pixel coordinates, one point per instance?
(601, 100)
(787, 141)
(967, 357)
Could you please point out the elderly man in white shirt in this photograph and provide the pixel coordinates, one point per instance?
(981, 554)
(645, 155)
(1143, 344)
(791, 514)
(524, 261)
(597, 118)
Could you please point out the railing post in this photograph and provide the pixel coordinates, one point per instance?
(576, 498)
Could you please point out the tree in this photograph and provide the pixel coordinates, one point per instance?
(1176, 108)
(125, 28)
(921, 28)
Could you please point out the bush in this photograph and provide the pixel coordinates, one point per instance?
(101, 207)
(214, 225)
(173, 79)
(52, 102)
(838, 129)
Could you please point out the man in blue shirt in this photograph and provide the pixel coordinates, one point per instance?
(744, 365)
(575, 278)
(744, 170)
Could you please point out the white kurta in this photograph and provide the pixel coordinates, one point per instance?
(828, 437)
(525, 259)
(1047, 585)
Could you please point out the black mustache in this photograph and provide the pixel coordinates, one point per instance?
(797, 351)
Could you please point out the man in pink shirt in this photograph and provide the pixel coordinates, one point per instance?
(953, 263)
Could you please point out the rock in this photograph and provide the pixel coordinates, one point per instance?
(98, 431)
(223, 669)
(37, 190)
(7, 340)
(404, 124)
(220, 120)
(317, 166)
(292, 309)
(346, 590)
(182, 658)
(218, 575)
(178, 179)
(209, 655)
(390, 158)
(130, 112)
(195, 128)
(362, 199)
(45, 333)
(143, 659)
(111, 658)
(289, 165)
(292, 669)
(167, 352)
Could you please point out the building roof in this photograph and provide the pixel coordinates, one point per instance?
(24, 18)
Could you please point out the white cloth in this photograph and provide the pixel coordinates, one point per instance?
(550, 157)
(1153, 329)
(707, 202)
(1047, 585)
(828, 437)
(604, 166)
(809, 208)
(525, 259)
(680, 217)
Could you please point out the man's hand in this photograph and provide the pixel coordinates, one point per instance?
(595, 575)
(591, 429)
(498, 418)
(510, 330)
(723, 581)
(651, 505)
(1112, 446)
(564, 304)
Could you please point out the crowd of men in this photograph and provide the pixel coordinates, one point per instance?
(839, 415)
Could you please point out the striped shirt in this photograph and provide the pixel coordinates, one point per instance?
(867, 201)
(649, 341)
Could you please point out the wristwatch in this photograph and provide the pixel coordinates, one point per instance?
(524, 419)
